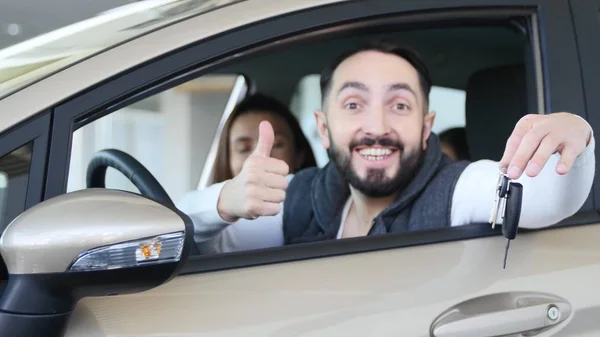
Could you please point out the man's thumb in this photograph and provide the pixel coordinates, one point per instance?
(266, 138)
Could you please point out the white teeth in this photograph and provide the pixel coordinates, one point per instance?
(375, 152)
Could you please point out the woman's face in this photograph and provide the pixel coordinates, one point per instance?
(243, 136)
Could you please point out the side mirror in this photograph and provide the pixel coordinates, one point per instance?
(93, 242)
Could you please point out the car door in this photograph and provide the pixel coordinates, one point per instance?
(444, 283)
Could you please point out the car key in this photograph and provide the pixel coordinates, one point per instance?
(500, 201)
(512, 214)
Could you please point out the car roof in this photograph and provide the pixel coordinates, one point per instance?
(89, 64)
(36, 58)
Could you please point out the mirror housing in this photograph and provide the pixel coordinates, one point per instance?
(92, 242)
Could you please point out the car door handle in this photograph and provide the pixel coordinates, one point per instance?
(501, 315)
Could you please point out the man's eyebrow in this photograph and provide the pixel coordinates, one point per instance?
(353, 84)
(402, 86)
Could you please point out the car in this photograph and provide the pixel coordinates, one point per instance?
(106, 123)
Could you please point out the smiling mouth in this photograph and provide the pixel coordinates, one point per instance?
(376, 153)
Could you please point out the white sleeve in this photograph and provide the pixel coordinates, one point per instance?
(214, 235)
(547, 198)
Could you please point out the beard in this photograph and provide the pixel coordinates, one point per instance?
(376, 183)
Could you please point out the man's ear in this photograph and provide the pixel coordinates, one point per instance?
(427, 127)
(321, 121)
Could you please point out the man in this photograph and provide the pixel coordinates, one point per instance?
(387, 173)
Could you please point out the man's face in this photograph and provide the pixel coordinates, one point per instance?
(375, 126)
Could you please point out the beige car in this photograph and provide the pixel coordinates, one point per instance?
(107, 123)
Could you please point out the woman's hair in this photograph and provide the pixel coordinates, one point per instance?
(457, 139)
(261, 103)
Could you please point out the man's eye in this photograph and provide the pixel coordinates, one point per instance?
(278, 145)
(351, 106)
(401, 106)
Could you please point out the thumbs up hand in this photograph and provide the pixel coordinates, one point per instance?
(260, 187)
(266, 138)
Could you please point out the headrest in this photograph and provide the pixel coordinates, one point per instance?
(496, 98)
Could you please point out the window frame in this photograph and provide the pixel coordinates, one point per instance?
(549, 19)
(35, 130)
(586, 21)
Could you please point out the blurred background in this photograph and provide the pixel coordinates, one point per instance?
(24, 19)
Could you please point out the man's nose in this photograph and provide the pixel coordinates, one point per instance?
(376, 123)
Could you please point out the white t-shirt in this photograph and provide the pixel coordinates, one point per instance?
(547, 199)
(345, 212)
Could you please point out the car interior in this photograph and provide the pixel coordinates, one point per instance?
(487, 63)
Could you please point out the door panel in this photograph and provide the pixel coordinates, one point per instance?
(386, 293)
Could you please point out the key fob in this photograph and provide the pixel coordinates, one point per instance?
(512, 213)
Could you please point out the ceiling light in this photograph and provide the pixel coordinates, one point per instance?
(13, 29)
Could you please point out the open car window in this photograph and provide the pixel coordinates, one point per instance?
(174, 133)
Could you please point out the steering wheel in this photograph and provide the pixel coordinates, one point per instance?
(129, 167)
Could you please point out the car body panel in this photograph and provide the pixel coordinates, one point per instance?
(79, 76)
(385, 293)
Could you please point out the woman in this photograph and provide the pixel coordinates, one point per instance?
(240, 135)
(237, 142)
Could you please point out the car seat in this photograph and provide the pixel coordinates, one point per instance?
(496, 98)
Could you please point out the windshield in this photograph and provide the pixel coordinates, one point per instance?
(24, 63)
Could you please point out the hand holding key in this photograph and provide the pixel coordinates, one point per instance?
(260, 187)
(537, 137)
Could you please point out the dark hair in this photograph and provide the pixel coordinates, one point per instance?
(254, 103)
(457, 139)
(387, 47)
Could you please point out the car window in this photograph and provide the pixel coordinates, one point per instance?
(14, 174)
(176, 134)
(173, 134)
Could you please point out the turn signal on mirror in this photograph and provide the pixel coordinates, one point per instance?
(159, 249)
